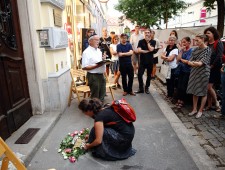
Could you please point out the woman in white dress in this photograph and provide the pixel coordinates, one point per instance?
(115, 59)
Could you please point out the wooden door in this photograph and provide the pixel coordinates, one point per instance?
(15, 104)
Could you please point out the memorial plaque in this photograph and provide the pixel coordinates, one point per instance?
(57, 17)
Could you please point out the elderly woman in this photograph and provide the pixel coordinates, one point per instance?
(111, 137)
(199, 76)
(169, 55)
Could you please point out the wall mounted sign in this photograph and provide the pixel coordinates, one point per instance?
(57, 17)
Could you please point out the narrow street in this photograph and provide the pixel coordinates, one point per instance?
(161, 139)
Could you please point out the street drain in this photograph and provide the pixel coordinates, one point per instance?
(27, 136)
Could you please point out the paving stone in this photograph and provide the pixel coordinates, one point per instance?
(210, 151)
(195, 122)
(214, 133)
(206, 135)
(221, 134)
(193, 132)
(221, 140)
(201, 128)
(220, 151)
(189, 125)
(215, 143)
(201, 140)
(184, 119)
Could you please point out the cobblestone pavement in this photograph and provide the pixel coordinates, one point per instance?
(209, 131)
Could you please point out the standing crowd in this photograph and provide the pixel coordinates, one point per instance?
(191, 70)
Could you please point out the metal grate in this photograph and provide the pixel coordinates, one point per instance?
(27, 136)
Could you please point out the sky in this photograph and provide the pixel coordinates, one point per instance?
(111, 11)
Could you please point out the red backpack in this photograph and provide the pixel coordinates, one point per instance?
(124, 109)
(215, 45)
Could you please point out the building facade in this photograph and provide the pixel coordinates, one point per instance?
(195, 15)
(35, 60)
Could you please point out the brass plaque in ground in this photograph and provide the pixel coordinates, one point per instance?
(27, 136)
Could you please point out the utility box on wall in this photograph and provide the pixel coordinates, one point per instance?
(53, 38)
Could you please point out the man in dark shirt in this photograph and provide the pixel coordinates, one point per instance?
(104, 44)
(125, 52)
(146, 48)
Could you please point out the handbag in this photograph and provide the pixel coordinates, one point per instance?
(165, 70)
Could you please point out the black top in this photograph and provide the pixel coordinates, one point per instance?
(104, 45)
(124, 49)
(216, 56)
(109, 115)
(146, 58)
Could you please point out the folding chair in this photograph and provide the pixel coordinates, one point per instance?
(9, 156)
(109, 85)
(77, 87)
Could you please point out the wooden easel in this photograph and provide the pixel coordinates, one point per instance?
(9, 156)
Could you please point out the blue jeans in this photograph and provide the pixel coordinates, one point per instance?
(223, 93)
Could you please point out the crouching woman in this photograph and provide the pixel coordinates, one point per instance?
(111, 137)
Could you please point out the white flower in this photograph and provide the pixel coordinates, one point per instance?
(59, 150)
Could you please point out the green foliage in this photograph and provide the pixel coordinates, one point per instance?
(209, 4)
(149, 12)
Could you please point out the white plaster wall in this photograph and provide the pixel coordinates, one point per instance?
(46, 92)
(56, 92)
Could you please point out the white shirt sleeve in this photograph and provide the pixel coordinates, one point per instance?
(174, 51)
(84, 60)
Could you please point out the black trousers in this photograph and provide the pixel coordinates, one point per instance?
(182, 85)
(141, 71)
(171, 83)
(127, 70)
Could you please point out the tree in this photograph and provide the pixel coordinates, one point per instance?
(150, 12)
(209, 4)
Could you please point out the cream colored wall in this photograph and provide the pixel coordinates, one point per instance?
(43, 17)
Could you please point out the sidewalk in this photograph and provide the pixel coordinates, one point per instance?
(161, 139)
(210, 132)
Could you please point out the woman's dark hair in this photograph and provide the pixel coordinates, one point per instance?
(213, 31)
(94, 105)
(188, 39)
(176, 35)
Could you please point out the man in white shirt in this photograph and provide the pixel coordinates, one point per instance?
(134, 39)
(95, 72)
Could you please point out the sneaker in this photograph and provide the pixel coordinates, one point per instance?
(135, 75)
(192, 113)
(199, 114)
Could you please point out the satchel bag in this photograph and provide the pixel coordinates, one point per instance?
(165, 70)
(124, 109)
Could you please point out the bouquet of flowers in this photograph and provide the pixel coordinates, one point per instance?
(72, 146)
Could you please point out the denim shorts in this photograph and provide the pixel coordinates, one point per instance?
(115, 65)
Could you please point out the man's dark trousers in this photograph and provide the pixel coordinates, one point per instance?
(127, 69)
(141, 71)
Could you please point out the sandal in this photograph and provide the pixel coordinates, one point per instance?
(179, 106)
(208, 108)
(218, 109)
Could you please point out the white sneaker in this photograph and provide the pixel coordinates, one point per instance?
(198, 115)
(192, 113)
